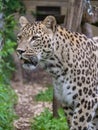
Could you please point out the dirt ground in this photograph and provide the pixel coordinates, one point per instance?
(26, 107)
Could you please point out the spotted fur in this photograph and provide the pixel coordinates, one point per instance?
(72, 60)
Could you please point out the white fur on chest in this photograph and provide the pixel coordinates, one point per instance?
(64, 92)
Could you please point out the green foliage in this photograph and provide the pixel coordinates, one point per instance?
(14, 6)
(7, 115)
(9, 39)
(46, 95)
(45, 121)
(9, 27)
(7, 34)
(8, 8)
(6, 64)
(7, 95)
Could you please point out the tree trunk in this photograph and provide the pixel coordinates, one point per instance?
(74, 15)
(56, 106)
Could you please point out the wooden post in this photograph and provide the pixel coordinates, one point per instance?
(74, 15)
(56, 106)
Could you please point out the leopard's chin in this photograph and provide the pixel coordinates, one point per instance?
(29, 66)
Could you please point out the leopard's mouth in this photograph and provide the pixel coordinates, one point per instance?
(30, 63)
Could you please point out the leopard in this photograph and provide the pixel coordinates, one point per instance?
(71, 59)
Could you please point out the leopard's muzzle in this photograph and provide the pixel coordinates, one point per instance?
(29, 62)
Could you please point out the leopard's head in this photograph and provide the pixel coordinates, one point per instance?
(35, 41)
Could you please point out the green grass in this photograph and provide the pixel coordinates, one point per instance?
(46, 95)
(7, 100)
(45, 121)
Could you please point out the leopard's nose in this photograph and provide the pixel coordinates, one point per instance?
(20, 51)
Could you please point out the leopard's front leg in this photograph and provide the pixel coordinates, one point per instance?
(82, 118)
(69, 113)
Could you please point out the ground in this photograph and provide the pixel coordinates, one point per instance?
(26, 107)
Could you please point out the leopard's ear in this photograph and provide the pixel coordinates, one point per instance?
(50, 23)
(23, 21)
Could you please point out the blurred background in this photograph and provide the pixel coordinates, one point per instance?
(24, 94)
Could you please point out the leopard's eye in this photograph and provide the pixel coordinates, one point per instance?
(35, 37)
(19, 37)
